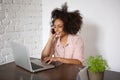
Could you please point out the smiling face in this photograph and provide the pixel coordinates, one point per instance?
(58, 27)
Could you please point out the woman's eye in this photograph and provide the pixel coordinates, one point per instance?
(60, 26)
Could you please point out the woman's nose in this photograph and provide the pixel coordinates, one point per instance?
(56, 29)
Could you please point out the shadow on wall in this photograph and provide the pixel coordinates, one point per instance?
(90, 35)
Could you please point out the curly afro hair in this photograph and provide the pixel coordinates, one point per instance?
(72, 20)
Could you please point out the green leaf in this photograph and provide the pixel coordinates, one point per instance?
(96, 64)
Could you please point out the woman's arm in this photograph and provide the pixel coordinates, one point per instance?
(62, 60)
(48, 48)
(70, 61)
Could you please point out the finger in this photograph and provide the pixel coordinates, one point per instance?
(50, 61)
(46, 59)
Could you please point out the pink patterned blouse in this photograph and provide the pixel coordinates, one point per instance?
(73, 49)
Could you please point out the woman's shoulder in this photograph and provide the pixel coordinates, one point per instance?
(75, 37)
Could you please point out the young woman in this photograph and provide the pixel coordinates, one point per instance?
(64, 42)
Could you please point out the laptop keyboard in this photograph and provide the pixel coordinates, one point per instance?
(35, 66)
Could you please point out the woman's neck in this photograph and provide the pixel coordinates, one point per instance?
(64, 39)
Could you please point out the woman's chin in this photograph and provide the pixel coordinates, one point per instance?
(57, 35)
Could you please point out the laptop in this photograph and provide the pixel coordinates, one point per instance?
(22, 59)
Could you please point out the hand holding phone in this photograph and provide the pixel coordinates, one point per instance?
(53, 31)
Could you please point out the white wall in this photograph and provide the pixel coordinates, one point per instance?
(100, 29)
(20, 20)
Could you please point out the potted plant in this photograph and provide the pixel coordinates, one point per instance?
(96, 67)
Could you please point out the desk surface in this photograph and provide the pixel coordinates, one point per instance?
(62, 72)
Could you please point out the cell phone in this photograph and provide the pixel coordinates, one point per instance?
(53, 31)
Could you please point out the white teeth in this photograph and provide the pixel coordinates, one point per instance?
(57, 32)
